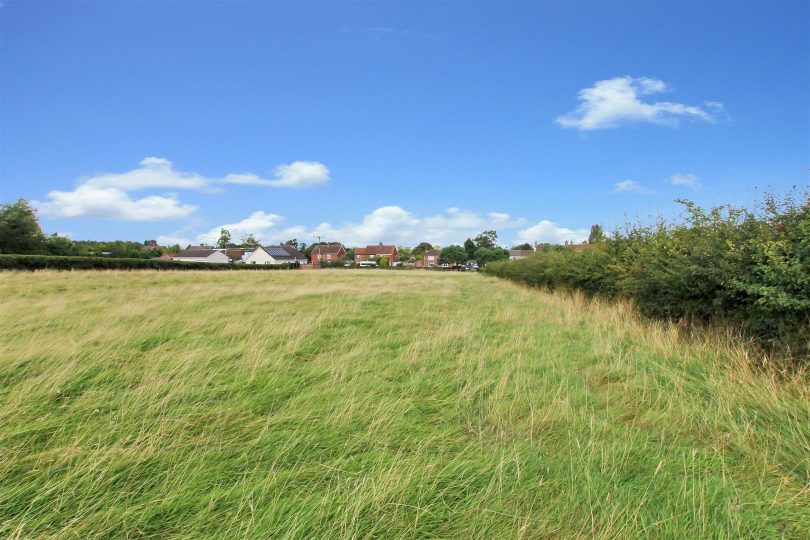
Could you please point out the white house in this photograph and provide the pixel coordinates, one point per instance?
(515, 254)
(276, 255)
(206, 255)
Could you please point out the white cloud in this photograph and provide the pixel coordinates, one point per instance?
(261, 224)
(298, 174)
(546, 231)
(390, 224)
(689, 180)
(614, 102)
(172, 240)
(153, 173)
(107, 195)
(630, 186)
(112, 203)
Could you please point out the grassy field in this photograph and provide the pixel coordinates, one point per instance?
(353, 404)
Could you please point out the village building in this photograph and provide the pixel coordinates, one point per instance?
(327, 253)
(515, 254)
(371, 252)
(279, 254)
(430, 259)
(206, 255)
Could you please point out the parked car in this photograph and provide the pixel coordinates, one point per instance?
(367, 264)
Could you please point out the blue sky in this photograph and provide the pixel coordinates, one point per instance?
(395, 122)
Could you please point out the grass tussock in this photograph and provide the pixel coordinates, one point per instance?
(340, 404)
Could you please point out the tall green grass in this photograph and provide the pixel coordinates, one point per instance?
(343, 404)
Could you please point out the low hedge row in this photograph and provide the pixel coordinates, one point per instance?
(749, 269)
(48, 262)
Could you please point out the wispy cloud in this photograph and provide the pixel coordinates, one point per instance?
(689, 180)
(631, 186)
(615, 102)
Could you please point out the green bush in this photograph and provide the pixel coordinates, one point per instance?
(749, 269)
(46, 262)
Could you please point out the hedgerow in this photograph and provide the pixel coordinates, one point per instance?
(749, 269)
(47, 262)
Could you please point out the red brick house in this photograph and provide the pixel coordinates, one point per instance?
(430, 259)
(380, 250)
(327, 253)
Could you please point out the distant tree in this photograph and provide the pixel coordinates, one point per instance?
(404, 253)
(302, 247)
(597, 235)
(453, 255)
(173, 249)
(469, 247)
(293, 243)
(224, 239)
(384, 262)
(525, 246)
(19, 229)
(350, 254)
(421, 248)
(249, 241)
(60, 245)
(486, 255)
(486, 239)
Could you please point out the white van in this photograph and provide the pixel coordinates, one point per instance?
(367, 264)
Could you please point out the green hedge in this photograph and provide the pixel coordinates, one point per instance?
(47, 262)
(729, 266)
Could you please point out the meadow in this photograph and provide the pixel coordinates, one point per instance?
(360, 404)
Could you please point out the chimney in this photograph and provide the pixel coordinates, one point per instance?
(380, 244)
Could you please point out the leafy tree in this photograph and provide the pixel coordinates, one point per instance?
(453, 255)
(249, 241)
(19, 229)
(404, 253)
(486, 255)
(526, 246)
(293, 243)
(384, 262)
(469, 247)
(597, 234)
(421, 248)
(60, 245)
(224, 239)
(486, 239)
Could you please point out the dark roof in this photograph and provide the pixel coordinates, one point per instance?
(376, 250)
(196, 252)
(434, 252)
(323, 249)
(284, 252)
(237, 253)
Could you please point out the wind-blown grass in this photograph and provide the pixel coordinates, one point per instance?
(343, 404)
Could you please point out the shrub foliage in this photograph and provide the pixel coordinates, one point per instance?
(748, 268)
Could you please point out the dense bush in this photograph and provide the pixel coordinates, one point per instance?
(43, 262)
(729, 266)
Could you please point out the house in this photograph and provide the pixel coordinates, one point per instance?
(380, 250)
(430, 259)
(327, 253)
(206, 255)
(276, 255)
(515, 254)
